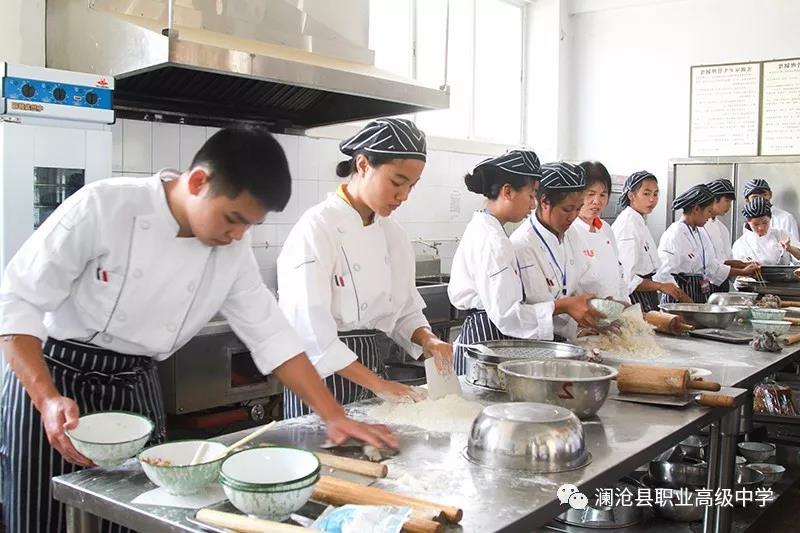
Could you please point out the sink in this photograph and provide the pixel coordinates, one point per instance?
(433, 290)
(431, 280)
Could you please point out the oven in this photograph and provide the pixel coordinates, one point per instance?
(212, 370)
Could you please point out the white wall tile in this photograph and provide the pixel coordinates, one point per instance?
(306, 192)
(307, 159)
(116, 145)
(166, 146)
(325, 187)
(137, 146)
(192, 138)
(210, 131)
(437, 169)
(328, 155)
(290, 145)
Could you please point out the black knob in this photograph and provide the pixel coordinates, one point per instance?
(59, 94)
(28, 91)
(91, 98)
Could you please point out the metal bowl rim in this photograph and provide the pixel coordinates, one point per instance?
(687, 308)
(612, 372)
(566, 350)
(584, 461)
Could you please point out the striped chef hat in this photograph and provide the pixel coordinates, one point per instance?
(756, 186)
(721, 187)
(632, 182)
(522, 162)
(756, 208)
(699, 194)
(396, 137)
(563, 176)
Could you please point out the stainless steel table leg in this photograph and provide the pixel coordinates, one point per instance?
(714, 440)
(80, 521)
(729, 430)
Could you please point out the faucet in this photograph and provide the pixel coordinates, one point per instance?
(434, 245)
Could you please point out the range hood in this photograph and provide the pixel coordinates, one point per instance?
(264, 61)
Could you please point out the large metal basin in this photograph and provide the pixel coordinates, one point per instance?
(704, 315)
(580, 386)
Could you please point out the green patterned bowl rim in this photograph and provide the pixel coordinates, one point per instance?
(147, 434)
(269, 487)
(250, 487)
(139, 457)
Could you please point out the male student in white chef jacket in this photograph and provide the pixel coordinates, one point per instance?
(121, 275)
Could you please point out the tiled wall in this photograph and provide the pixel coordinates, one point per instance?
(438, 209)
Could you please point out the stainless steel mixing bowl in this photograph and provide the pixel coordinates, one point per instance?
(705, 315)
(733, 298)
(580, 386)
(534, 437)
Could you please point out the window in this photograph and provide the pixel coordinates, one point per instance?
(484, 65)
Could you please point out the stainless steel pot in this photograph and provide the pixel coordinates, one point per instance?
(675, 508)
(778, 273)
(481, 369)
(733, 298)
(678, 475)
(705, 315)
(580, 386)
(602, 516)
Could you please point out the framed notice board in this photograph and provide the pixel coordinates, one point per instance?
(780, 108)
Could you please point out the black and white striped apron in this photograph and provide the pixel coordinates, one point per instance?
(97, 380)
(647, 299)
(364, 344)
(477, 328)
(725, 287)
(692, 285)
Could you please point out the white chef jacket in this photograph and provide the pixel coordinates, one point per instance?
(783, 220)
(766, 250)
(335, 274)
(686, 250)
(605, 277)
(720, 239)
(637, 248)
(550, 268)
(107, 267)
(485, 275)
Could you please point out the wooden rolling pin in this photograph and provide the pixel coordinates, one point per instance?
(640, 379)
(790, 303)
(244, 524)
(791, 339)
(339, 492)
(715, 400)
(794, 321)
(667, 323)
(348, 464)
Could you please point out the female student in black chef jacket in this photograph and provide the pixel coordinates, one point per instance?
(686, 253)
(346, 271)
(485, 278)
(637, 248)
(121, 275)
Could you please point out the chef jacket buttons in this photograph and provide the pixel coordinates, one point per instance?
(145, 224)
(105, 337)
(356, 267)
(340, 230)
(137, 273)
(363, 306)
(121, 316)
(171, 327)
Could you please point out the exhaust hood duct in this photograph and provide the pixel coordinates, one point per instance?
(263, 61)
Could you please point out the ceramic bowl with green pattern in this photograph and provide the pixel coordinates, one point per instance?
(168, 465)
(109, 438)
(611, 308)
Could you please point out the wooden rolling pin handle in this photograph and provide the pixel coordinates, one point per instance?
(716, 400)
(416, 525)
(794, 321)
(355, 466)
(697, 384)
(791, 339)
(790, 303)
(244, 524)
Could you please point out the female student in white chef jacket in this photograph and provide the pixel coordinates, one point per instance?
(346, 270)
(781, 219)
(550, 266)
(686, 253)
(718, 233)
(595, 238)
(762, 243)
(637, 248)
(485, 277)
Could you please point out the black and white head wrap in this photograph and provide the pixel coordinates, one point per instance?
(521, 162)
(395, 137)
(721, 187)
(756, 208)
(697, 195)
(633, 181)
(563, 176)
(756, 186)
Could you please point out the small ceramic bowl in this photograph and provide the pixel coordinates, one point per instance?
(772, 472)
(167, 465)
(756, 452)
(270, 482)
(763, 313)
(612, 309)
(778, 327)
(109, 438)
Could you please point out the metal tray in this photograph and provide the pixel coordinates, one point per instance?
(722, 335)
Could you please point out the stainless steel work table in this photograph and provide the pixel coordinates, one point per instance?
(622, 437)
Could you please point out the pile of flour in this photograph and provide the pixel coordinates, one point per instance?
(451, 414)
